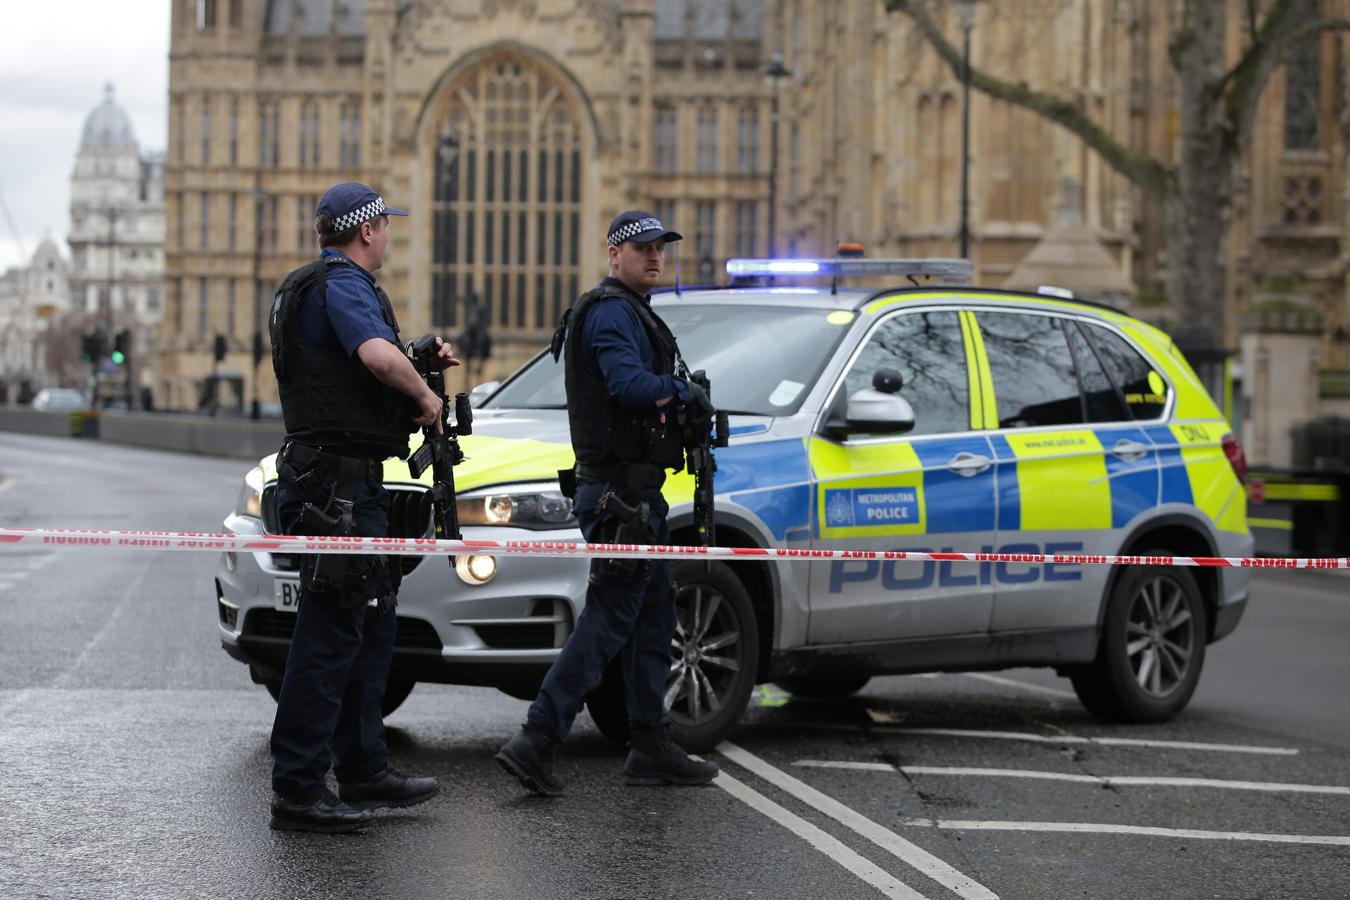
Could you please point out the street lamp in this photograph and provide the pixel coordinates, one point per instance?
(255, 408)
(966, 10)
(775, 73)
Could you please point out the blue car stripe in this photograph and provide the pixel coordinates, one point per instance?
(1134, 484)
(952, 502)
(1174, 483)
(1009, 489)
(772, 479)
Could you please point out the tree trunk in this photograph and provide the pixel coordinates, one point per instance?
(1196, 213)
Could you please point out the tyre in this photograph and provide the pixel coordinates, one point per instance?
(1152, 647)
(395, 692)
(838, 686)
(714, 658)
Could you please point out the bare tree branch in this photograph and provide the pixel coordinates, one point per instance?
(1243, 84)
(1140, 168)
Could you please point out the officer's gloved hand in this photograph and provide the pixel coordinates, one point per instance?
(699, 405)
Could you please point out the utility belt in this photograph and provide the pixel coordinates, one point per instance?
(631, 477)
(355, 580)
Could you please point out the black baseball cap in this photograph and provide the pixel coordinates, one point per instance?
(351, 203)
(639, 226)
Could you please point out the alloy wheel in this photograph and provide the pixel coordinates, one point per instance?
(1160, 636)
(705, 654)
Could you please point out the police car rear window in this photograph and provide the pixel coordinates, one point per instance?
(1144, 389)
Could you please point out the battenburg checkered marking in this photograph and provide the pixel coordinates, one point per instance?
(632, 228)
(359, 215)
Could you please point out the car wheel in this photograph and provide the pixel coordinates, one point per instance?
(841, 686)
(395, 692)
(714, 658)
(1152, 648)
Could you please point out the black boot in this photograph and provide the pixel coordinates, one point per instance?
(390, 788)
(326, 814)
(529, 757)
(656, 759)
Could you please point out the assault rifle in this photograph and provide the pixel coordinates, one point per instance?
(440, 448)
(699, 441)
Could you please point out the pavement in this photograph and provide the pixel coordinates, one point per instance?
(136, 761)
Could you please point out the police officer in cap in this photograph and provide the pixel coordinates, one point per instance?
(619, 367)
(350, 397)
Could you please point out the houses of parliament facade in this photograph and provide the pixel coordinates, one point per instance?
(514, 130)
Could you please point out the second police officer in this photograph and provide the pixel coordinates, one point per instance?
(619, 368)
(350, 398)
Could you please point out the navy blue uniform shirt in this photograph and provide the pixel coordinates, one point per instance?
(353, 314)
(615, 346)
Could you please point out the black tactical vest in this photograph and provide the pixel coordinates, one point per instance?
(328, 397)
(605, 433)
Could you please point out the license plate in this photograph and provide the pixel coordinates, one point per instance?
(286, 594)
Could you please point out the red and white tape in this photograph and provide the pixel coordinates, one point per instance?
(244, 543)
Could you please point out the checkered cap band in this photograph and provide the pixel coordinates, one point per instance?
(359, 215)
(626, 232)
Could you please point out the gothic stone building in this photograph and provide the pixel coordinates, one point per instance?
(512, 130)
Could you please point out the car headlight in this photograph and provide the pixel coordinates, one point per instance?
(536, 507)
(249, 502)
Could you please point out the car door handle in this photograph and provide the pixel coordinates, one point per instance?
(968, 465)
(1129, 450)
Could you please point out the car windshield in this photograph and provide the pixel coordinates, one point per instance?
(760, 360)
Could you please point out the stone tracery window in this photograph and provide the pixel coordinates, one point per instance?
(1303, 96)
(506, 199)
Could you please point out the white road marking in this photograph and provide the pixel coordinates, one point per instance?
(1063, 739)
(831, 846)
(1104, 780)
(1330, 840)
(1022, 685)
(888, 840)
(6, 484)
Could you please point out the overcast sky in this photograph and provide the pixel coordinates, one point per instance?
(54, 60)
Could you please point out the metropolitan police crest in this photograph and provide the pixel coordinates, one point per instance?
(838, 508)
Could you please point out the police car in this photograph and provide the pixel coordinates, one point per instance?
(934, 417)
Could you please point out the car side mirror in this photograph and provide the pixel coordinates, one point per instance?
(874, 412)
(482, 392)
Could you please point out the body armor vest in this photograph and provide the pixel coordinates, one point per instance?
(605, 433)
(328, 396)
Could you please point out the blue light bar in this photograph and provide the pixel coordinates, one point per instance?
(941, 271)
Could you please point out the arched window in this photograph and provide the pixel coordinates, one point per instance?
(1303, 95)
(507, 199)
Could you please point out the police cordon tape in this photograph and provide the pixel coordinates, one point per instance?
(247, 543)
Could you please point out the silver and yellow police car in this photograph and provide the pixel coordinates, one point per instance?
(933, 417)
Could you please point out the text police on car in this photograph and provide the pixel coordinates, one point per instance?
(350, 398)
(620, 364)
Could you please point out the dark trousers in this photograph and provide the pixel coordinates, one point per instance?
(329, 710)
(624, 614)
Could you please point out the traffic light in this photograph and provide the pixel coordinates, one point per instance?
(219, 348)
(92, 346)
(121, 346)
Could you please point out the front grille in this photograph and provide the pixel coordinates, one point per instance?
(411, 634)
(516, 637)
(546, 628)
(409, 517)
(228, 614)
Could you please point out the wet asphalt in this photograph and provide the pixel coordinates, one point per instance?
(134, 763)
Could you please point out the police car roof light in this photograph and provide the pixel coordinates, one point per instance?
(1050, 290)
(944, 271)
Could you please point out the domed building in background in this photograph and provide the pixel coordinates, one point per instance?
(117, 236)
